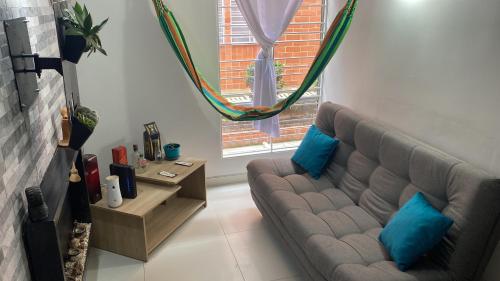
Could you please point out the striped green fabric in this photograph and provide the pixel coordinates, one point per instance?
(329, 46)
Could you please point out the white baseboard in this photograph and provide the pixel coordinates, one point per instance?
(228, 179)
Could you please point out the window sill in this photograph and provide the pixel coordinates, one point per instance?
(261, 149)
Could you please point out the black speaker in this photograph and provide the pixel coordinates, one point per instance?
(126, 173)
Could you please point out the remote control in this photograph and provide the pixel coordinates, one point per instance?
(183, 163)
(167, 174)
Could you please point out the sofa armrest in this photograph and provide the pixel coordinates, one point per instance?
(279, 167)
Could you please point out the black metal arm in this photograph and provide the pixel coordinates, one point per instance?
(41, 63)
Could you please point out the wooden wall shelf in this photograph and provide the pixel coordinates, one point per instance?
(47, 241)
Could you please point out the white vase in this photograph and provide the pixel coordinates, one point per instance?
(114, 196)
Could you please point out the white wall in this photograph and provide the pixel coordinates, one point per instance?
(141, 80)
(430, 68)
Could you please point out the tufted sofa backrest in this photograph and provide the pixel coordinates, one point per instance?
(380, 169)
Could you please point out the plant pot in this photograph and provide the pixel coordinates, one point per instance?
(73, 48)
(172, 151)
(79, 134)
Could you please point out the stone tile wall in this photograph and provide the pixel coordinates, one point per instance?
(27, 139)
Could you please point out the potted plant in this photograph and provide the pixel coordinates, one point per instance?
(278, 69)
(83, 123)
(80, 35)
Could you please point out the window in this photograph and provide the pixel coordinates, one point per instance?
(220, 14)
(294, 53)
(240, 34)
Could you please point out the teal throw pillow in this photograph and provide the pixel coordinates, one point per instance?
(413, 231)
(315, 151)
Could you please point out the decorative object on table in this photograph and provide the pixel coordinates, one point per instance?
(65, 127)
(37, 209)
(152, 141)
(113, 191)
(120, 155)
(83, 123)
(143, 162)
(167, 174)
(159, 156)
(172, 151)
(74, 177)
(136, 156)
(126, 174)
(80, 35)
(184, 163)
(92, 179)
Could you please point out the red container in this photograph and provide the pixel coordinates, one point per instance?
(92, 179)
(120, 155)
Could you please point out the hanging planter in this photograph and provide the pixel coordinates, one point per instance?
(74, 46)
(83, 123)
(80, 35)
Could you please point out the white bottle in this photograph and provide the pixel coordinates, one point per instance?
(114, 196)
(136, 157)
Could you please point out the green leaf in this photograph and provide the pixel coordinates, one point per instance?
(87, 25)
(102, 51)
(69, 18)
(91, 22)
(85, 11)
(78, 9)
(94, 30)
(74, 32)
(98, 28)
(103, 23)
(80, 19)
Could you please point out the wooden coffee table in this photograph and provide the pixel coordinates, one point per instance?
(162, 204)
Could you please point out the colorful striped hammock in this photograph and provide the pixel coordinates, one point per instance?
(233, 112)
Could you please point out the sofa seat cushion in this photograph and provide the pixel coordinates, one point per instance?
(322, 219)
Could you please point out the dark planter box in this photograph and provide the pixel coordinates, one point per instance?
(74, 47)
(79, 134)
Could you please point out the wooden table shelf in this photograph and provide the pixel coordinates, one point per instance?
(166, 219)
(162, 204)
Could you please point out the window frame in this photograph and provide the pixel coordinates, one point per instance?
(273, 146)
(221, 18)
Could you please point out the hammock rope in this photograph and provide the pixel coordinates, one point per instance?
(333, 38)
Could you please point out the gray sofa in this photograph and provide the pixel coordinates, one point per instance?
(332, 224)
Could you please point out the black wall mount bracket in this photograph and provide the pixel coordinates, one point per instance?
(40, 63)
(26, 65)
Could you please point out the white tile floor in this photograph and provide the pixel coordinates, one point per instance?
(227, 241)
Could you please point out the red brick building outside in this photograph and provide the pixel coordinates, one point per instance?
(294, 53)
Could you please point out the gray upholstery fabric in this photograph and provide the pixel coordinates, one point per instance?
(333, 223)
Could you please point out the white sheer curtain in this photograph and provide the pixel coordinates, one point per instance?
(267, 20)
